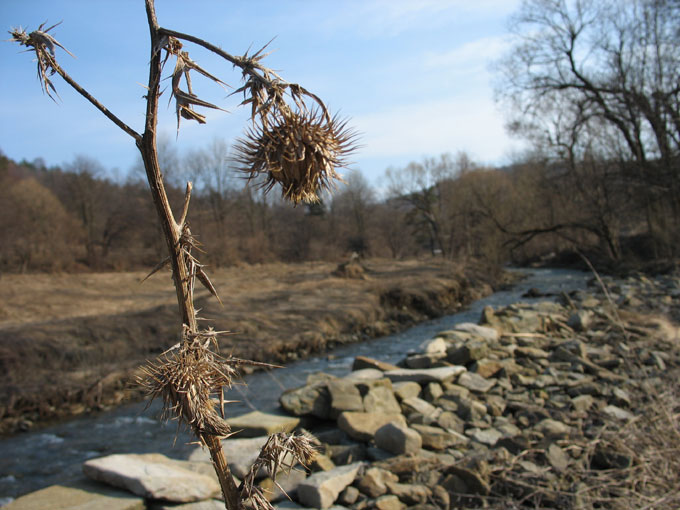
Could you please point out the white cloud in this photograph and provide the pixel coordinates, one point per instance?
(446, 125)
(473, 55)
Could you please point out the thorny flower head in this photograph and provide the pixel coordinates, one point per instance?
(44, 45)
(298, 150)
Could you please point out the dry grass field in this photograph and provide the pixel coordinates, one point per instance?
(70, 343)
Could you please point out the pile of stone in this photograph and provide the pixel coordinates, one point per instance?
(517, 407)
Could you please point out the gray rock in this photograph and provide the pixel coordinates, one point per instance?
(553, 428)
(321, 489)
(240, 454)
(388, 502)
(432, 391)
(152, 476)
(409, 493)
(374, 482)
(406, 389)
(557, 458)
(379, 398)
(398, 439)
(364, 375)
(436, 438)
(365, 362)
(424, 360)
(349, 496)
(475, 382)
(310, 399)
(581, 320)
(425, 375)
(418, 405)
(470, 351)
(485, 332)
(582, 403)
(257, 423)
(487, 367)
(362, 426)
(344, 396)
(434, 346)
(530, 352)
(485, 436)
(618, 413)
(287, 483)
(76, 495)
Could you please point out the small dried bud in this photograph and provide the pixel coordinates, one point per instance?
(299, 150)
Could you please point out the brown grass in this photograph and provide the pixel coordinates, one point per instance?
(67, 342)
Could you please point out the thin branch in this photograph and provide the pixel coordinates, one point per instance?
(113, 118)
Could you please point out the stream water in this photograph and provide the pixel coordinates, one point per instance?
(53, 455)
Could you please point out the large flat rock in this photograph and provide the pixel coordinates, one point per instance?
(83, 494)
(425, 375)
(322, 489)
(240, 453)
(152, 476)
(362, 426)
(257, 424)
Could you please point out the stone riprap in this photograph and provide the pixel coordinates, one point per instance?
(518, 406)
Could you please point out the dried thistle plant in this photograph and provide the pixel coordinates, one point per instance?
(293, 142)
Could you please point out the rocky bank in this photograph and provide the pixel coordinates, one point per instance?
(571, 403)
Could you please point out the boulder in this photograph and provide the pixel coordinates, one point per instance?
(406, 389)
(398, 439)
(152, 476)
(379, 397)
(311, 399)
(472, 350)
(362, 426)
(344, 396)
(257, 423)
(321, 489)
(79, 494)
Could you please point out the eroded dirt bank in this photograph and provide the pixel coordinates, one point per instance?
(71, 344)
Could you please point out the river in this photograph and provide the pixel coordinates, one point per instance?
(53, 455)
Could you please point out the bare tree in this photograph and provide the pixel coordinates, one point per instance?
(293, 142)
(599, 80)
(419, 185)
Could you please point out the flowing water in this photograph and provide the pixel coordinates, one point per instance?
(33, 460)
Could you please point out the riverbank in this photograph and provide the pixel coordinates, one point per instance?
(572, 404)
(69, 344)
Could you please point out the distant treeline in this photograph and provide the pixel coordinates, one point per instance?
(74, 218)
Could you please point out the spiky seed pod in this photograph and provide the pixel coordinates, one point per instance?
(298, 150)
(186, 379)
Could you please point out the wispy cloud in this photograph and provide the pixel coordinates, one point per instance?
(446, 125)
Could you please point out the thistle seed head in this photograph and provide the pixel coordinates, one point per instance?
(298, 150)
(187, 378)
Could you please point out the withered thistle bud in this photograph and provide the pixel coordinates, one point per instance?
(298, 150)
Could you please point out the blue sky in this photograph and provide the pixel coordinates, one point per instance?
(412, 75)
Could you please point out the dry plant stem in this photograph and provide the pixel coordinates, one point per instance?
(95, 102)
(172, 231)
